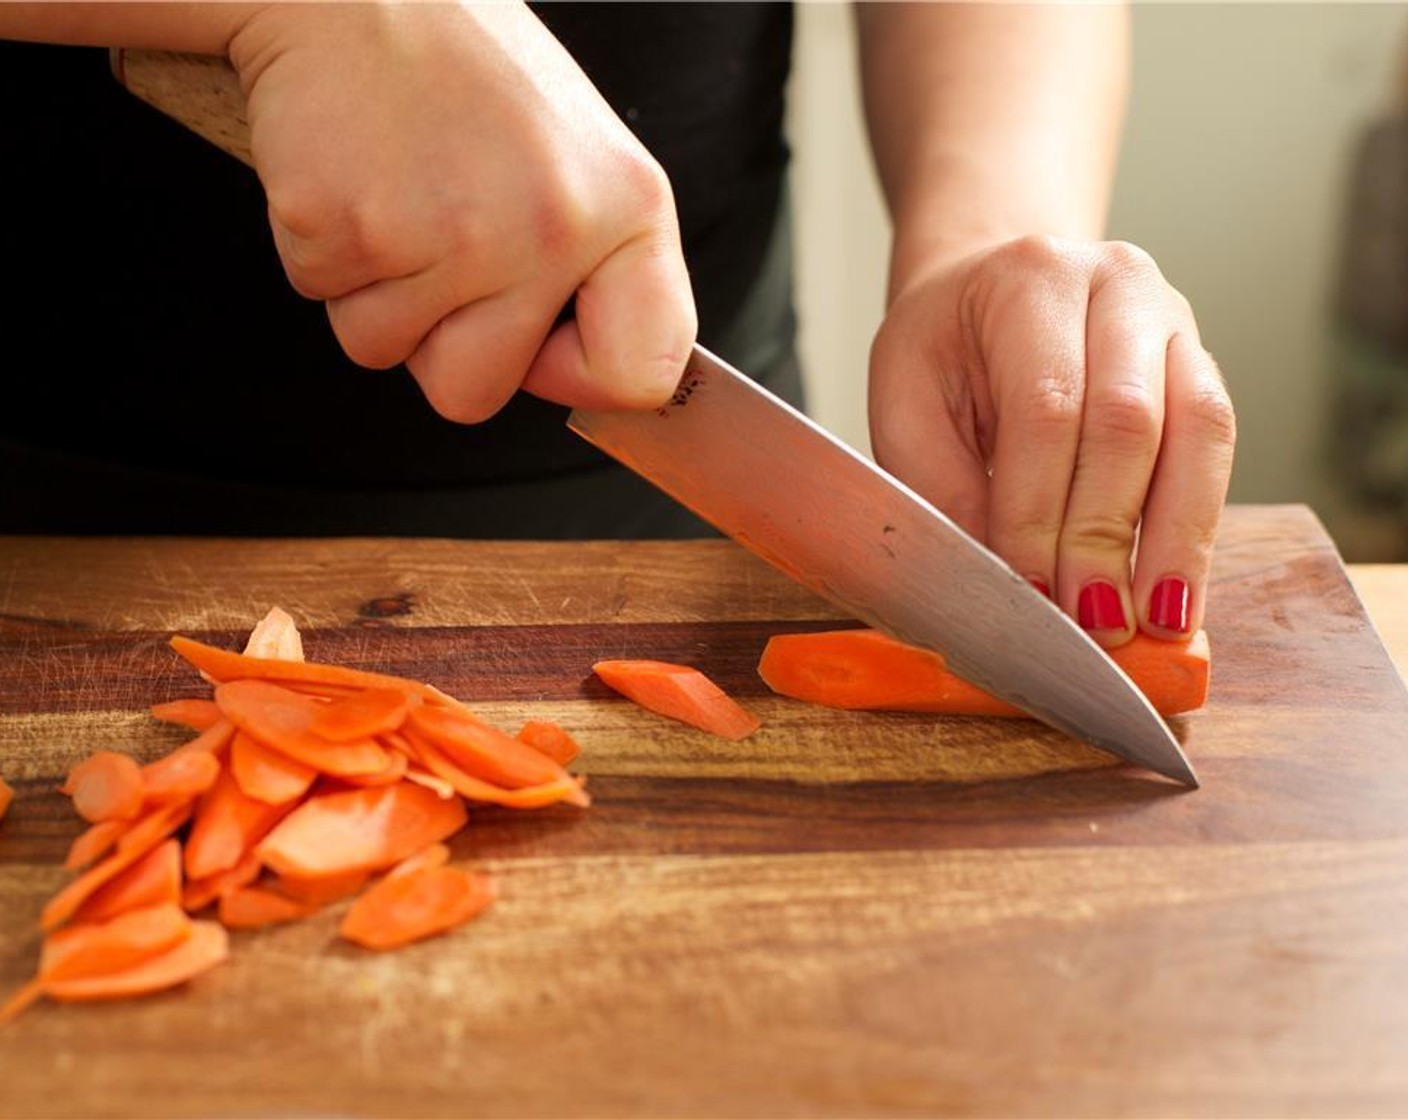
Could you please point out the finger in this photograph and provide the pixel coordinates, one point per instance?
(1187, 494)
(635, 325)
(343, 256)
(1127, 334)
(475, 358)
(1037, 365)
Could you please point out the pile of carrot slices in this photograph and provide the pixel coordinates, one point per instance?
(304, 784)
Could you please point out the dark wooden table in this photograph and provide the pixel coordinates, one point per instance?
(846, 914)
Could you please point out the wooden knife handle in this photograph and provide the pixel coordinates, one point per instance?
(201, 91)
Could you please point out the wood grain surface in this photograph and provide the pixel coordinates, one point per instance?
(845, 914)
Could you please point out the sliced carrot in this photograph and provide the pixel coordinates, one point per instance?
(92, 843)
(482, 751)
(198, 715)
(364, 714)
(396, 768)
(228, 823)
(550, 739)
(153, 880)
(433, 782)
(321, 891)
(207, 945)
(256, 907)
(96, 948)
(180, 776)
(200, 893)
(562, 788)
(266, 774)
(437, 855)
(105, 786)
(213, 740)
(417, 904)
(30, 993)
(282, 719)
(680, 692)
(359, 830)
(865, 669)
(144, 835)
(223, 665)
(6, 796)
(275, 635)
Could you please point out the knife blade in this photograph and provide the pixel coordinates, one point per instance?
(783, 487)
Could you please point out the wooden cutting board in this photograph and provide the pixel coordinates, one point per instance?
(846, 914)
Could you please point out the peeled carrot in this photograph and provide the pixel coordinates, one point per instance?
(213, 740)
(396, 767)
(283, 720)
(359, 830)
(266, 774)
(321, 891)
(437, 855)
(256, 907)
(482, 751)
(6, 796)
(414, 905)
(153, 880)
(180, 776)
(94, 842)
(228, 823)
(106, 786)
(224, 665)
(562, 788)
(866, 669)
(198, 715)
(550, 739)
(127, 939)
(680, 692)
(364, 714)
(207, 945)
(200, 893)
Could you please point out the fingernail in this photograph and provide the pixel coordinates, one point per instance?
(1041, 585)
(1168, 604)
(1100, 607)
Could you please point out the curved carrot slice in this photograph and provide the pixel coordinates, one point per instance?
(268, 775)
(97, 948)
(396, 767)
(106, 786)
(144, 835)
(548, 738)
(207, 945)
(6, 796)
(359, 830)
(283, 720)
(213, 740)
(482, 751)
(364, 714)
(153, 880)
(321, 891)
(437, 855)
(93, 842)
(200, 893)
(198, 715)
(865, 669)
(563, 788)
(415, 905)
(180, 776)
(680, 692)
(255, 908)
(223, 665)
(228, 823)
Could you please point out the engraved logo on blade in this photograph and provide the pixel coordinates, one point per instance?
(691, 381)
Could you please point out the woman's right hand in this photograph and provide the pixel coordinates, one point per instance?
(446, 178)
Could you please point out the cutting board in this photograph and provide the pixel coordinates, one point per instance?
(846, 914)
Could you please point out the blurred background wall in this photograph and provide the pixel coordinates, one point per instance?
(1238, 161)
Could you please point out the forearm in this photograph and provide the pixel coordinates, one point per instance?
(201, 28)
(991, 120)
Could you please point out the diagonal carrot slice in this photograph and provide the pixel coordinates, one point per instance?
(200, 893)
(182, 775)
(96, 948)
(283, 720)
(206, 947)
(228, 824)
(151, 881)
(549, 738)
(106, 786)
(564, 788)
(198, 715)
(256, 907)
(482, 751)
(266, 774)
(364, 714)
(680, 692)
(92, 843)
(414, 905)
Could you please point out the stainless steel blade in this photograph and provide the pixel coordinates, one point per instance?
(784, 488)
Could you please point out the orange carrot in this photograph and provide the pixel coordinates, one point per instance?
(180, 776)
(364, 714)
(266, 774)
(105, 786)
(359, 830)
(207, 945)
(414, 905)
(96, 948)
(228, 823)
(6, 796)
(275, 635)
(213, 740)
(223, 665)
(680, 692)
(200, 893)
(27, 995)
(282, 719)
(562, 788)
(92, 843)
(482, 751)
(437, 855)
(550, 739)
(198, 715)
(321, 891)
(256, 907)
(151, 881)
(396, 767)
(144, 835)
(866, 669)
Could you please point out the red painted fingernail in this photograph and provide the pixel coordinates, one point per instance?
(1041, 585)
(1168, 604)
(1100, 607)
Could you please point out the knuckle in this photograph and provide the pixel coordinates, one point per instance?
(1051, 407)
(1104, 534)
(1127, 414)
(1211, 413)
(646, 186)
(1127, 259)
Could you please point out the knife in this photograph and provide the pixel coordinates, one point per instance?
(784, 488)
